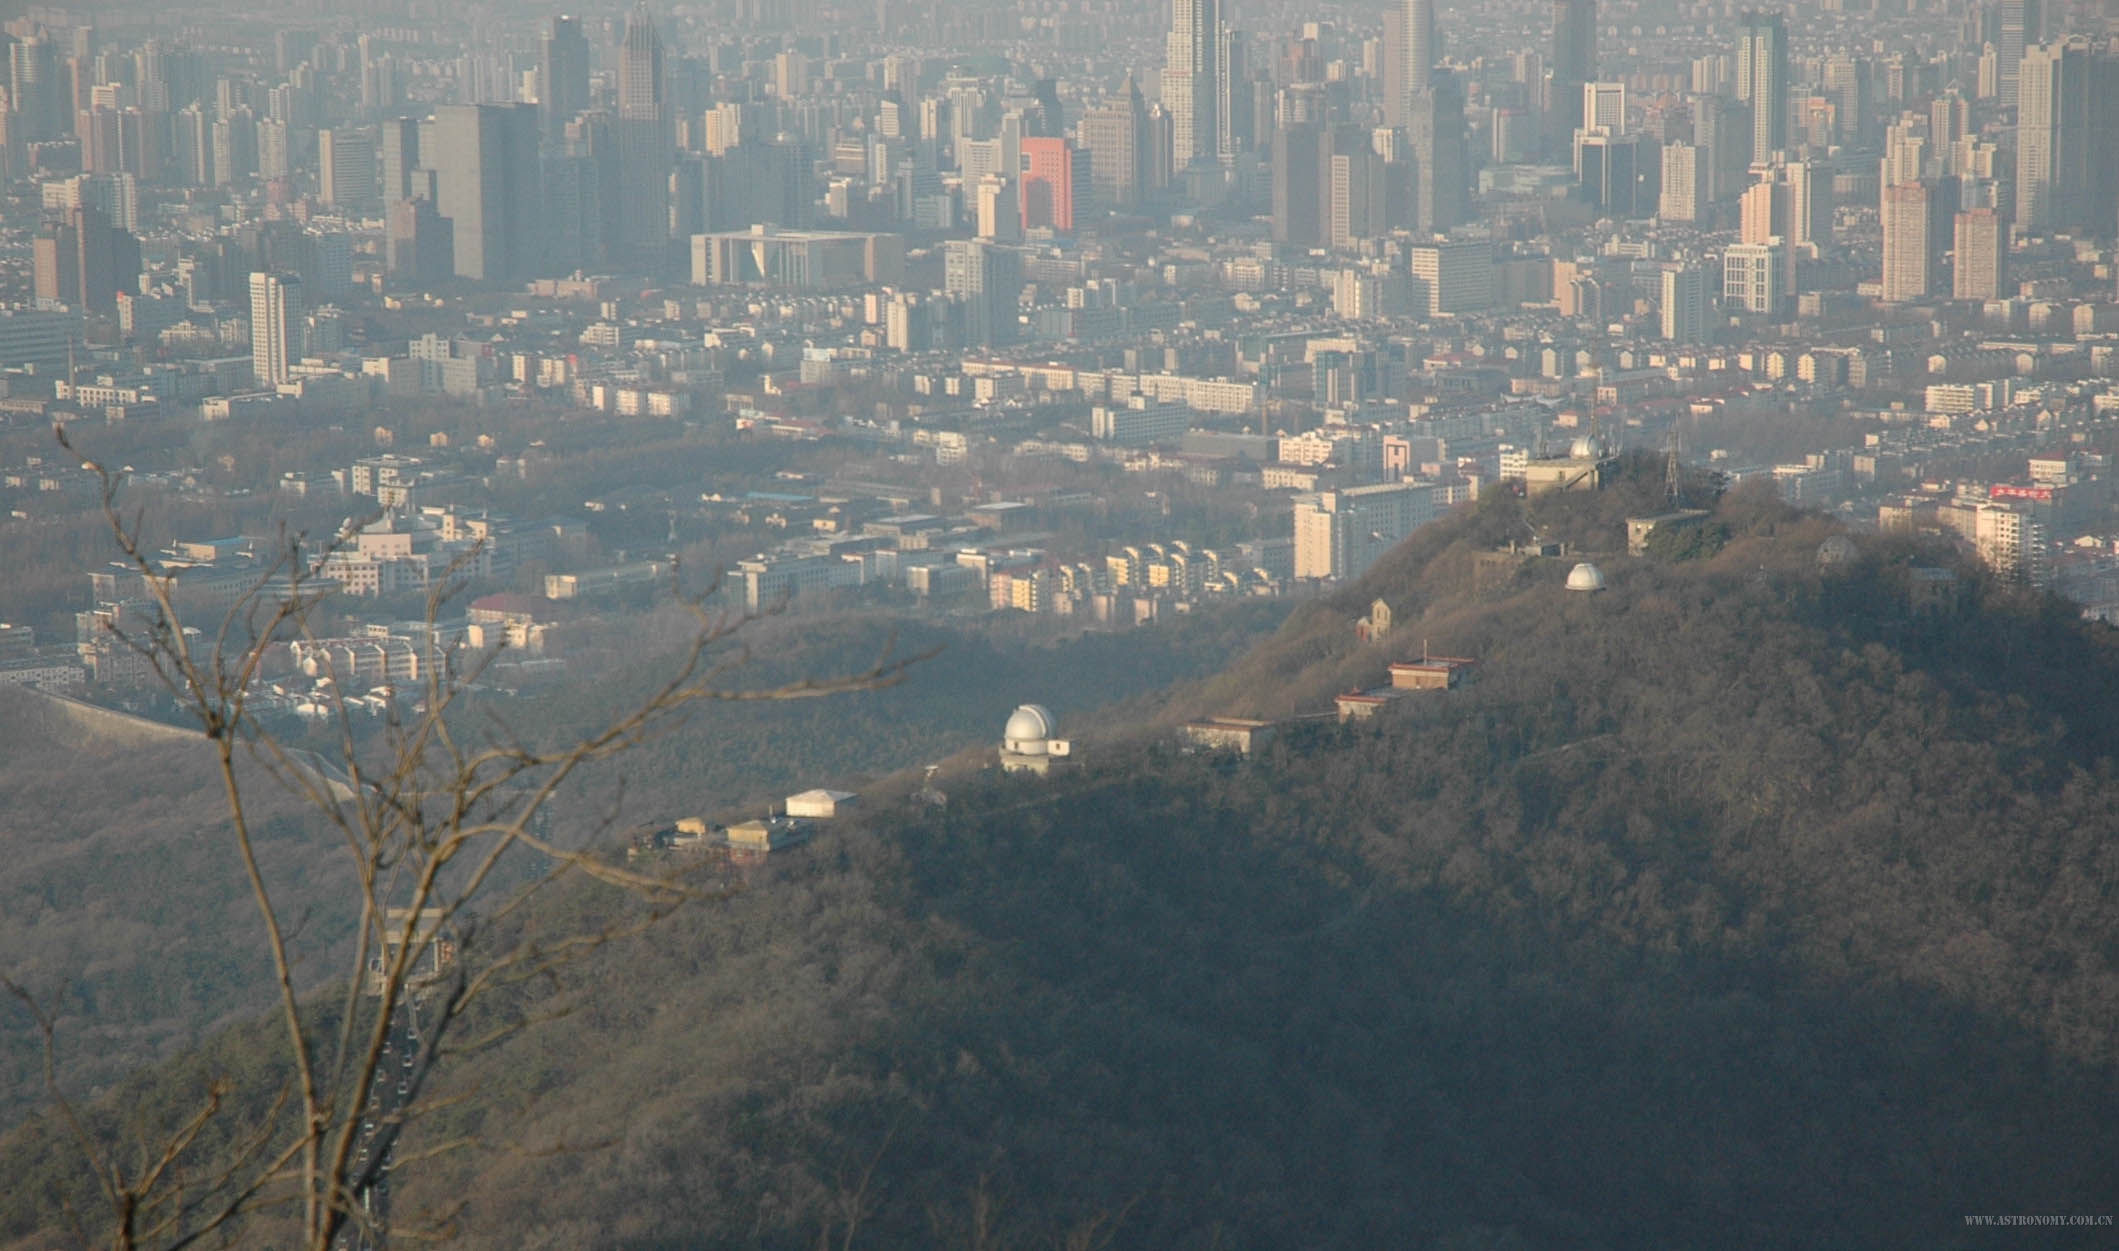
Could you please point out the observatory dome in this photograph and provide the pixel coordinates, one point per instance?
(1029, 729)
(1837, 550)
(1586, 448)
(1585, 577)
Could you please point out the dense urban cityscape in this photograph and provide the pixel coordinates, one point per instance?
(1199, 624)
(1348, 271)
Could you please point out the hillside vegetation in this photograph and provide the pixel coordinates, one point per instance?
(1739, 905)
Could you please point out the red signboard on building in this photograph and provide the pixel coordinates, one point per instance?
(2043, 495)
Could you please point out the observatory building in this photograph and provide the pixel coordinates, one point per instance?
(1585, 577)
(1028, 742)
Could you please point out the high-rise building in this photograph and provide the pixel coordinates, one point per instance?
(1449, 279)
(400, 156)
(1917, 219)
(2022, 27)
(1339, 534)
(1981, 252)
(1721, 127)
(1684, 304)
(1191, 88)
(485, 162)
(987, 282)
(1416, 48)
(646, 142)
(1619, 173)
(276, 316)
(345, 167)
(1684, 192)
(563, 75)
(1356, 194)
(1116, 136)
(1574, 62)
(1441, 170)
(1753, 277)
(2067, 165)
(1301, 165)
(1762, 80)
(1055, 183)
(421, 244)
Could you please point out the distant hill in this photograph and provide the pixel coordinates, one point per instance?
(1742, 904)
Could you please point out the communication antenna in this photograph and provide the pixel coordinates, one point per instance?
(1673, 481)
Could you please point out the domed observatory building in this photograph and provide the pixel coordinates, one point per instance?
(1029, 742)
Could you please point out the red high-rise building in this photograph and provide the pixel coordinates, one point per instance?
(1055, 176)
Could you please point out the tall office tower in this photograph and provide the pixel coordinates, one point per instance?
(1000, 216)
(1762, 80)
(1603, 108)
(275, 151)
(2022, 28)
(345, 167)
(1721, 127)
(1416, 50)
(593, 137)
(1355, 194)
(235, 148)
(484, 157)
(1752, 277)
(1191, 65)
(191, 147)
(988, 283)
(35, 87)
(276, 315)
(1981, 245)
(1846, 83)
(1117, 138)
(1684, 305)
(1619, 173)
(1055, 183)
(1917, 223)
(1684, 193)
(1301, 162)
(1810, 207)
(563, 75)
(1232, 96)
(645, 140)
(2067, 163)
(1441, 168)
(400, 156)
(1574, 62)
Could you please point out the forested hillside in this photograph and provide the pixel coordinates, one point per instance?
(123, 908)
(1738, 905)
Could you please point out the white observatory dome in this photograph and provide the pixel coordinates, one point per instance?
(1029, 729)
(1586, 448)
(1585, 577)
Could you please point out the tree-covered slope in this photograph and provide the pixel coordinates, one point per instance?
(1739, 905)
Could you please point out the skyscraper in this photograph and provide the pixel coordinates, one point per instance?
(1117, 138)
(1684, 304)
(645, 139)
(1191, 90)
(988, 282)
(1416, 51)
(1917, 224)
(1684, 192)
(563, 85)
(2067, 165)
(400, 156)
(2022, 27)
(1982, 252)
(1055, 180)
(1762, 80)
(276, 316)
(1574, 62)
(1440, 169)
(485, 164)
(345, 167)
